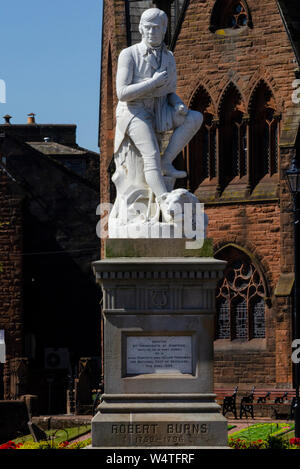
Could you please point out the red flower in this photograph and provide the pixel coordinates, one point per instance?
(295, 441)
(8, 445)
(63, 444)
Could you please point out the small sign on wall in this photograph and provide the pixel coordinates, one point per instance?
(2, 346)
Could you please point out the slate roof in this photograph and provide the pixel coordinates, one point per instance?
(54, 148)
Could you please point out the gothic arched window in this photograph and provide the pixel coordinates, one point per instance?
(240, 298)
(232, 137)
(264, 126)
(231, 14)
(202, 148)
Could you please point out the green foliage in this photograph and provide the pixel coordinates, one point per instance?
(230, 427)
(80, 444)
(275, 442)
(51, 444)
(261, 431)
(59, 435)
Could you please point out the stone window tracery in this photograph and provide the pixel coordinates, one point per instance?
(240, 298)
(238, 16)
(230, 15)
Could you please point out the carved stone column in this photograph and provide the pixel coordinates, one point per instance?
(216, 122)
(246, 120)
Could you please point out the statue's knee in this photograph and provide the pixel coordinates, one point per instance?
(194, 120)
(197, 119)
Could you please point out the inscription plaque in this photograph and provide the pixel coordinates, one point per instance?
(160, 434)
(159, 354)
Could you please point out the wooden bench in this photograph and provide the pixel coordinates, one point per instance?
(227, 399)
(276, 398)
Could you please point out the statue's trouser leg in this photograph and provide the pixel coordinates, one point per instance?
(183, 134)
(141, 132)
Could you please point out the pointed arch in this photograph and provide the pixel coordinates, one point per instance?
(201, 158)
(264, 133)
(241, 296)
(263, 74)
(232, 136)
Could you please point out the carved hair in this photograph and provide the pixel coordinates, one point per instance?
(151, 14)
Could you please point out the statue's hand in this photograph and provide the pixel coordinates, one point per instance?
(180, 113)
(181, 109)
(160, 78)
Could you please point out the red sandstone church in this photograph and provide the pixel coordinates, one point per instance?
(237, 62)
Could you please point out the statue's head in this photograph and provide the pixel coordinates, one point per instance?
(153, 26)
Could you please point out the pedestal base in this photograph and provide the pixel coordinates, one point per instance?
(158, 318)
(159, 430)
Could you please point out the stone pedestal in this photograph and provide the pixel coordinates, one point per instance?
(158, 353)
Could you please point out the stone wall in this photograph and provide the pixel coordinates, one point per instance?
(11, 306)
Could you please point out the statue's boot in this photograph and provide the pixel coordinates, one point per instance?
(180, 138)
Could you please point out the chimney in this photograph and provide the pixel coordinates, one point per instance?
(7, 118)
(31, 119)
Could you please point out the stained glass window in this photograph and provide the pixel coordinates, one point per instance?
(240, 320)
(223, 323)
(258, 314)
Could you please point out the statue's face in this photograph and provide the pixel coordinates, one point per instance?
(153, 32)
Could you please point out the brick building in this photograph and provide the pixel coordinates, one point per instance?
(237, 62)
(49, 303)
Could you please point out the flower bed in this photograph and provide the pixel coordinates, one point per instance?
(263, 436)
(49, 444)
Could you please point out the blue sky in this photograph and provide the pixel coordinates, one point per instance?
(50, 62)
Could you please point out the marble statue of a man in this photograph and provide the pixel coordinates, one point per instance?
(148, 105)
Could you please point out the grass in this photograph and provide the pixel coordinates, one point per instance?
(230, 427)
(59, 435)
(261, 431)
